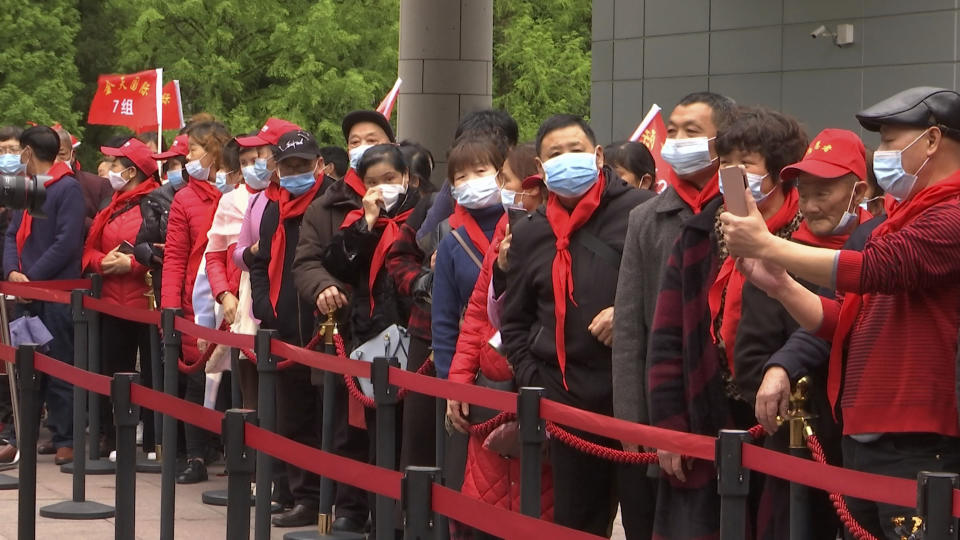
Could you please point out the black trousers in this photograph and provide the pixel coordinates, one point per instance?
(637, 492)
(351, 442)
(584, 487)
(299, 417)
(418, 441)
(120, 343)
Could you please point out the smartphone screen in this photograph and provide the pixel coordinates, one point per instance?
(734, 185)
(126, 248)
(514, 216)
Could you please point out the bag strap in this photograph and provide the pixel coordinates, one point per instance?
(598, 247)
(469, 250)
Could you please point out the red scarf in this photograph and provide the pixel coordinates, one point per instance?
(120, 200)
(564, 224)
(465, 219)
(391, 231)
(58, 171)
(290, 207)
(834, 241)
(353, 180)
(899, 215)
(728, 287)
(210, 195)
(695, 198)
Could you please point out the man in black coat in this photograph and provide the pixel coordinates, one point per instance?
(570, 251)
(96, 190)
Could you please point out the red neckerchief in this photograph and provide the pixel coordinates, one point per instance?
(728, 287)
(250, 190)
(290, 207)
(466, 220)
(695, 198)
(58, 171)
(564, 224)
(210, 195)
(899, 215)
(120, 200)
(353, 180)
(834, 241)
(391, 231)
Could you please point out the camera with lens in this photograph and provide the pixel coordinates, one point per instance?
(23, 193)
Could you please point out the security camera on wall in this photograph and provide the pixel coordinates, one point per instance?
(842, 35)
(820, 31)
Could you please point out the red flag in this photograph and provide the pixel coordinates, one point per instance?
(125, 100)
(652, 132)
(386, 106)
(171, 106)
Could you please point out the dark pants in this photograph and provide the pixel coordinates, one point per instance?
(299, 416)
(350, 442)
(249, 379)
(902, 455)
(418, 446)
(120, 341)
(638, 501)
(584, 487)
(198, 441)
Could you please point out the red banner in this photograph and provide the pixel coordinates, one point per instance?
(126, 100)
(171, 106)
(652, 132)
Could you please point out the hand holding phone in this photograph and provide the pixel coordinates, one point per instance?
(734, 183)
(125, 247)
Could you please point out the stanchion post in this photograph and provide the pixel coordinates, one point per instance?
(733, 483)
(385, 396)
(797, 419)
(171, 356)
(236, 401)
(440, 415)
(267, 411)
(29, 428)
(94, 364)
(328, 415)
(126, 416)
(532, 433)
(416, 501)
(240, 463)
(81, 334)
(935, 504)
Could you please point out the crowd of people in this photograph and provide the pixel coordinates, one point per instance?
(554, 263)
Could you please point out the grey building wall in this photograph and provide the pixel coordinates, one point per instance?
(761, 52)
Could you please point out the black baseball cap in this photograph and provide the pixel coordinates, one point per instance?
(299, 144)
(356, 117)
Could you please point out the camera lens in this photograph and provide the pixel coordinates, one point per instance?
(23, 193)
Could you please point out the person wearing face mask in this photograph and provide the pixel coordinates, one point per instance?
(557, 320)
(278, 306)
(132, 175)
(363, 130)
(96, 190)
(191, 215)
(903, 283)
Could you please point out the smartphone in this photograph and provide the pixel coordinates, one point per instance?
(734, 183)
(496, 343)
(126, 248)
(514, 216)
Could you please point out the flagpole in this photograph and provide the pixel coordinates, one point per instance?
(159, 98)
(654, 109)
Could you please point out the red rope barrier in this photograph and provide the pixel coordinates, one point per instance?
(483, 429)
(837, 499)
(598, 450)
(36, 292)
(140, 315)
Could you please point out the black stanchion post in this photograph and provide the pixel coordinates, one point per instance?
(240, 463)
(531, 439)
(419, 522)
(267, 411)
(96, 464)
(443, 524)
(29, 428)
(935, 504)
(126, 416)
(218, 497)
(733, 484)
(385, 396)
(156, 377)
(79, 507)
(171, 355)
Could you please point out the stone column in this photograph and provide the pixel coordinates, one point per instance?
(446, 57)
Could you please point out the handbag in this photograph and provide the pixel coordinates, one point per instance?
(478, 414)
(393, 341)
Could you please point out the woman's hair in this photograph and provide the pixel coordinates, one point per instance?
(212, 136)
(420, 162)
(523, 160)
(632, 156)
(777, 137)
(231, 156)
(388, 153)
(473, 151)
(179, 159)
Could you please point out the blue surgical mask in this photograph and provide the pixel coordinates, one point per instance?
(478, 193)
(888, 167)
(865, 204)
(221, 182)
(10, 164)
(357, 153)
(253, 179)
(571, 174)
(848, 219)
(175, 177)
(755, 183)
(687, 156)
(298, 184)
(508, 199)
(198, 171)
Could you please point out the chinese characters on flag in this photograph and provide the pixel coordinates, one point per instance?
(652, 132)
(171, 106)
(132, 100)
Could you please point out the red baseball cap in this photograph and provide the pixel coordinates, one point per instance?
(832, 154)
(135, 151)
(181, 147)
(532, 181)
(270, 133)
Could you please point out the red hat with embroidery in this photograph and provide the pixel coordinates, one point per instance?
(832, 154)
(270, 133)
(135, 151)
(181, 147)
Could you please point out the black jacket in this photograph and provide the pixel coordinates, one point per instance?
(155, 210)
(294, 318)
(528, 322)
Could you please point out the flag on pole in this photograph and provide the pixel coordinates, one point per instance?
(126, 100)
(386, 106)
(171, 107)
(652, 132)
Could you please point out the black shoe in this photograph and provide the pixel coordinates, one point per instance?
(299, 516)
(195, 472)
(345, 524)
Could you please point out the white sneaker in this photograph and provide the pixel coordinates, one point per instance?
(151, 456)
(113, 456)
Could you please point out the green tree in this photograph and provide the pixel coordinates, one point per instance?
(541, 59)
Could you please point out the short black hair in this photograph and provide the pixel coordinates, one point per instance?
(471, 151)
(117, 141)
(722, 106)
(388, 153)
(231, 155)
(338, 157)
(776, 136)
(148, 137)
(490, 123)
(632, 156)
(560, 121)
(420, 161)
(44, 142)
(10, 132)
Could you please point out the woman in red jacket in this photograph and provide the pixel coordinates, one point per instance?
(108, 251)
(191, 215)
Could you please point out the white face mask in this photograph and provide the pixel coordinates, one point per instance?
(508, 199)
(196, 170)
(391, 194)
(888, 168)
(478, 193)
(687, 156)
(117, 181)
(848, 218)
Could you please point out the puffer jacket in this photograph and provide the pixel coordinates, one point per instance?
(125, 289)
(155, 209)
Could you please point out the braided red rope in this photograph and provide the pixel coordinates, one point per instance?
(483, 429)
(198, 365)
(839, 503)
(597, 450)
(355, 391)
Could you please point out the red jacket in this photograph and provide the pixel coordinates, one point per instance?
(222, 272)
(124, 289)
(190, 217)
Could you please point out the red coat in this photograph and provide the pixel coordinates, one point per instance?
(124, 289)
(489, 477)
(222, 273)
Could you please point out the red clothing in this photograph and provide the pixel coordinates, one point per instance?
(222, 273)
(124, 289)
(900, 370)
